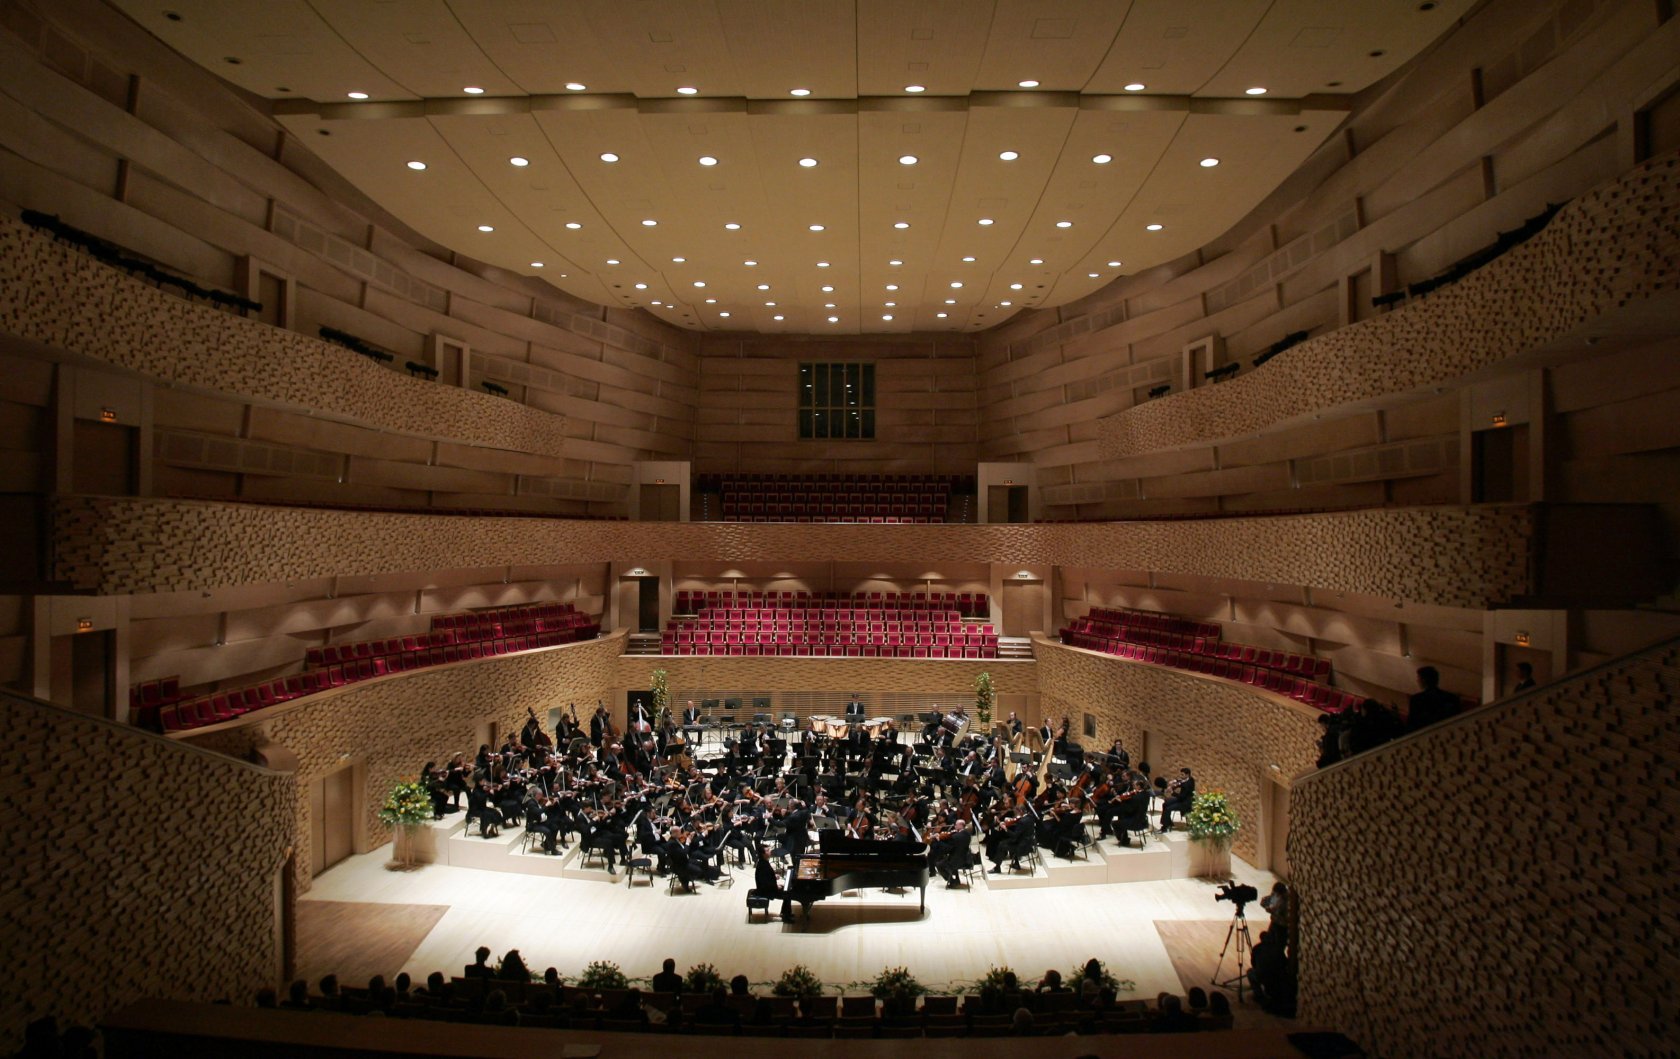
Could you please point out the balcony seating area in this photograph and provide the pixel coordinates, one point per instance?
(966, 604)
(396, 509)
(871, 625)
(874, 498)
(453, 638)
(1162, 639)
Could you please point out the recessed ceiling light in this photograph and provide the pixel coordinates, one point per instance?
(608, 156)
(1014, 286)
(886, 316)
(536, 264)
(1036, 261)
(1256, 91)
(950, 301)
(1009, 156)
(650, 223)
(1209, 163)
(969, 260)
(764, 286)
(807, 163)
(1102, 159)
(828, 289)
(907, 159)
(895, 262)
(956, 283)
(732, 226)
(1114, 264)
(901, 224)
(723, 314)
(892, 286)
(984, 221)
(828, 305)
(769, 305)
(678, 260)
(797, 92)
(612, 260)
(711, 301)
(1005, 305)
(707, 159)
(417, 166)
(576, 86)
(749, 263)
(941, 315)
(641, 286)
(1136, 86)
(486, 228)
(1026, 84)
(518, 162)
(890, 305)
(473, 90)
(687, 90)
(822, 264)
(1064, 224)
(573, 225)
(1093, 275)
(778, 317)
(834, 319)
(357, 95)
(915, 88)
(1153, 227)
(699, 283)
(659, 303)
(816, 228)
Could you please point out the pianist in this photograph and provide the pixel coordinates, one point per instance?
(768, 885)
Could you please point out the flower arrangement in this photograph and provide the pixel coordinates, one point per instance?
(1104, 978)
(602, 974)
(798, 981)
(897, 987)
(702, 978)
(408, 803)
(984, 699)
(1002, 978)
(1212, 818)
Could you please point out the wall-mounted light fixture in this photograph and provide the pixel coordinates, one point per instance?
(107, 415)
(659, 481)
(1522, 639)
(84, 624)
(1499, 419)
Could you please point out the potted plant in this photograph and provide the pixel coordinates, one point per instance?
(661, 698)
(702, 978)
(985, 698)
(1105, 980)
(602, 974)
(897, 989)
(407, 808)
(1213, 825)
(798, 982)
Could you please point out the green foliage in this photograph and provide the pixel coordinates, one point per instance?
(1108, 981)
(408, 803)
(984, 700)
(661, 697)
(896, 984)
(1212, 818)
(798, 981)
(996, 978)
(702, 978)
(602, 974)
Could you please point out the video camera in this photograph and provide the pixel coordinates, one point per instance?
(1237, 893)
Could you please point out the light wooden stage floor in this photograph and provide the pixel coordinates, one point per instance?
(566, 923)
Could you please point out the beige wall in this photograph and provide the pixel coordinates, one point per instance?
(135, 869)
(1498, 886)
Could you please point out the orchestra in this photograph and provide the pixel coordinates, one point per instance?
(648, 786)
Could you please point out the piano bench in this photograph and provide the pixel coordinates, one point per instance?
(757, 902)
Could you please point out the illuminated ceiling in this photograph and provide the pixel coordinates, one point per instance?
(963, 159)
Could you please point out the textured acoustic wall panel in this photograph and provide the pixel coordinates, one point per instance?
(1230, 735)
(394, 725)
(1610, 247)
(863, 675)
(1504, 885)
(135, 868)
(59, 296)
(1459, 557)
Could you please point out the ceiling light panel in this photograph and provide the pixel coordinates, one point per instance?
(934, 43)
(890, 193)
(778, 47)
(1297, 48)
(1058, 44)
(1175, 48)
(449, 61)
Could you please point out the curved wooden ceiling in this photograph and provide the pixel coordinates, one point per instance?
(925, 223)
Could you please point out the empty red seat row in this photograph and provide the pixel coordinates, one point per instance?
(989, 650)
(155, 693)
(1302, 689)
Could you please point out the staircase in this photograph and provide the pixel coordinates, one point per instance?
(642, 643)
(960, 507)
(1016, 647)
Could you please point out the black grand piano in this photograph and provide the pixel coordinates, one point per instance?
(842, 863)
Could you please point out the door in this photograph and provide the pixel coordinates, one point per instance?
(647, 604)
(1023, 607)
(659, 503)
(331, 819)
(1277, 828)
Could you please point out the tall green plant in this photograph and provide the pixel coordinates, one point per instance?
(661, 697)
(985, 698)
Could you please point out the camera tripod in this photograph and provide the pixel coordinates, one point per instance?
(1238, 931)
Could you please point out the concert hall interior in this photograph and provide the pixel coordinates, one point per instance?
(948, 486)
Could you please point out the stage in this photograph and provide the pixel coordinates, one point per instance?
(363, 917)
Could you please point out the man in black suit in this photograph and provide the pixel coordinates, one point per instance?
(767, 884)
(854, 710)
(667, 980)
(1181, 801)
(598, 725)
(1432, 703)
(480, 969)
(691, 714)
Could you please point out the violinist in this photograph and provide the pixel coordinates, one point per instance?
(1009, 836)
(946, 837)
(1181, 795)
(432, 778)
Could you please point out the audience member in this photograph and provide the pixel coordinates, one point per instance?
(1431, 704)
(480, 967)
(1021, 1025)
(668, 980)
(1170, 1016)
(1196, 1000)
(513, 968)
(266, 998)
(1371, 725)
(1051, 982)
(1525, 677)
(297, 997)
(739, 986)
(717, 1010)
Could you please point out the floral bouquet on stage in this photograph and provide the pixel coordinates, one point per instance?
(406, 808)
(1212, 819)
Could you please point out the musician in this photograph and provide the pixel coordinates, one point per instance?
(433, 779)
(1046, 735)
(1009, 838)
(1117, 759)
(1015, 728)
(598, 725)
(479, 808)
(854, 710)
(532, 732)
(766, 883)
(947, 835)
(640, 719)
(691, 715)
(1181, 794)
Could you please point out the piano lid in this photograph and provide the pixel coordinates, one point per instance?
(840, 844)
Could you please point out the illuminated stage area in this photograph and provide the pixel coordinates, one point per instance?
(363, 918)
